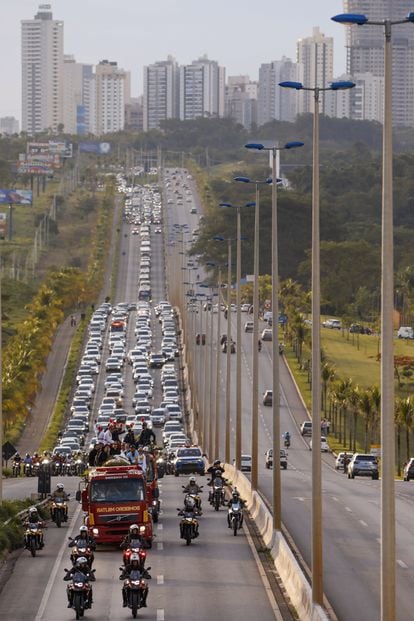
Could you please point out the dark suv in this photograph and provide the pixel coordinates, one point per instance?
(363, 466)
(409, 470)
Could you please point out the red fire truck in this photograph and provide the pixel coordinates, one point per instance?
(114, 497)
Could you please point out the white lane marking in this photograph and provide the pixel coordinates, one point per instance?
(52, 577)
(298, 498)
(348, 509)
(160, 526)
(160, 545)
(265, 581)
(402, 564)
(160, 614)
(160, 579)
(335, 498)
(363, 523)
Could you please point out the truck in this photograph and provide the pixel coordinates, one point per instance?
(115, 496)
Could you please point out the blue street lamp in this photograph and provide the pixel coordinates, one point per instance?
(317, 548)
(277, 494)
(388, 556)
(255, 379)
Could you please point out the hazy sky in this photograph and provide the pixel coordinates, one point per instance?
(239, 34)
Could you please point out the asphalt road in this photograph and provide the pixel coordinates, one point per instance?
(217, 576)
(351, 508)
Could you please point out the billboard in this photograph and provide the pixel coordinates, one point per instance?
(98, 148)
(16, 197)
(23, 167)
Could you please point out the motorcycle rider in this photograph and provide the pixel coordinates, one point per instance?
(132, 535)
(259, 345)
(287, 439)
(147, 435)
(82, 566)
(34, 518)
(83, 539)
(192, 486)
(190, 509)
(17, 460)
(59, 495)
(28, 460)
(235, 498)
(134, 565)
(216, 469)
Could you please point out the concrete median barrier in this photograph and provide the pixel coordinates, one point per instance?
(289, 570)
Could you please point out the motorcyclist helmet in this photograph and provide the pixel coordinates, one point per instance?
(235, 495)
(36, 455)
(60, 487)
(134, 529)
(82, 562)
(216, 462)
(191, 480)
(83, 529)
(189, 503)
(27, 454)
(32, 511)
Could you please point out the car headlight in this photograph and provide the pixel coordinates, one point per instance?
(95, 531)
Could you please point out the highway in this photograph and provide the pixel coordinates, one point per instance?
(217, 576)
(351, 508)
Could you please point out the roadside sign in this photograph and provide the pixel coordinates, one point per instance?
(375, 450)
(8, 450)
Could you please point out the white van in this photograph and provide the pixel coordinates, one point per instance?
(405, 332)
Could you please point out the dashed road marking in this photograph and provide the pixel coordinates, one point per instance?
(348, 509)
(402, 564)
(363, 523)
(160, 526)
(160, 579)
(160, 614)
(160, 545)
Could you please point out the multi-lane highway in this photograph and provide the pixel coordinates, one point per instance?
(217, 576)
(351, 508)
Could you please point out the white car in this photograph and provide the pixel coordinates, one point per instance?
(324, 445)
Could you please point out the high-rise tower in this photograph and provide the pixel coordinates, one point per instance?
(42, 72)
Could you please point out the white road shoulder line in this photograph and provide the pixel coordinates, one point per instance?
(52, 577)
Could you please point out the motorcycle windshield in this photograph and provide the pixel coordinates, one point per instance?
(135, 574)
(235, 506)
(135, 543)
(218, 483)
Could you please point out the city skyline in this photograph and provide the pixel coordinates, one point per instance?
(178, 33)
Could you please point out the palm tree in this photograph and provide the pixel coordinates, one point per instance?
(405, 414)
(366, 409)
(354, 399)
(327, 375)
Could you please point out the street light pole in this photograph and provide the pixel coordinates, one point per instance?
(277, 485)
(238, 447)
(217, 408)
(388, 555)
(255, 382)
(317, 547)
(228, 358)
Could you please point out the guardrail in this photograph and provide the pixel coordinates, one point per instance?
(22, 515)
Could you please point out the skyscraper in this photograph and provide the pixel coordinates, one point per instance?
(42, 72)
(241, 100)
(365, 52)
(161, 92)
(79, 97)
(315, 54)
(112, 93)
(275, 102)
(202, 86)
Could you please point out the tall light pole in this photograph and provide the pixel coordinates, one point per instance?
(255, 379)
(277, 484)
(317, 548)
(238, 425)
(388, 557)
